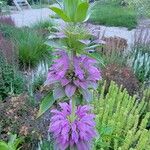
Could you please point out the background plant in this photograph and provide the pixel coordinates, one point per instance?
(29, 44)
(122, 76)
(110, 14)
(141, 66)
(31, 48)
(11, 80)
(47, 24)
(44, 28)
(119, 121)
(141, 6)
(141, 55)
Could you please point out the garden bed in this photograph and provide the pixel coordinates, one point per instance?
(73, 87)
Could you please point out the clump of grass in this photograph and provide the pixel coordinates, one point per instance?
(29, 45)
(31, 48)
(113, 15)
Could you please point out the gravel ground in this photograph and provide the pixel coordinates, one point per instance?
(30, 16)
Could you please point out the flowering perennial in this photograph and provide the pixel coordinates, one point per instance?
(76, 132)
(80, 73)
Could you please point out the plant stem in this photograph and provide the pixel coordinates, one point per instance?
(73, 104)
(71, 148)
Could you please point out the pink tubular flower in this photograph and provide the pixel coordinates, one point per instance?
(77, 133)
(80, 74)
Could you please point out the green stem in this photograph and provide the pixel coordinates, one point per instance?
(73, 104)
(71, 148)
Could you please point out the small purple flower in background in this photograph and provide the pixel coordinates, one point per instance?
(70, 75)
(77, 133)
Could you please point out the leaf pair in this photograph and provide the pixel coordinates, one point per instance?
(73, 11)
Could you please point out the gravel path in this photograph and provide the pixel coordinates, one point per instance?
(30, 16)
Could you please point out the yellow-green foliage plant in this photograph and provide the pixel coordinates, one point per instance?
(121, 124)
(147, 97)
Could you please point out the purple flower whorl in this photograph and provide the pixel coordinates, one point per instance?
(77, 133)
(82, 75)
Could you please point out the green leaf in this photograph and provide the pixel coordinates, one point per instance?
(3, 146)
(47, 102)
(60, 13)
(93, 46)
(12, 139)
(17, 142)
(87, 95)
(70, 7)
(95, 56)
(81, 13)
(55, 44)
(58, 92)
(107, 130)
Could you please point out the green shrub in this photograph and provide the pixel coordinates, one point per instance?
(119, 121)
(113, 15)
(11, 80)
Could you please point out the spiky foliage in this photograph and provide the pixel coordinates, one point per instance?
(31, 48)
(141, 55)
(141, 66)
(119, 121)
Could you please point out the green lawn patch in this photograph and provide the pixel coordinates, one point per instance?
(113, 15)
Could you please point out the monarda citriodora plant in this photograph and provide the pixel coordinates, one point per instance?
(73, 76)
